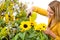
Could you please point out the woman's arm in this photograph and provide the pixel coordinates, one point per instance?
(40, 10)
(37, 10)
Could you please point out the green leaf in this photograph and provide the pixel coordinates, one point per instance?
(41, 36)
(32, 35)
(33, 16)
(38, 38)
(45, 36)
(7, 3)
(22, 35)
(16, 37)
(15, 0)
(3, 32)
(23, 12)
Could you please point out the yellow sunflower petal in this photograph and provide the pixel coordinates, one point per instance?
(25, 25)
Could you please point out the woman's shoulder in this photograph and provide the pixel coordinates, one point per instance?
(58, 24)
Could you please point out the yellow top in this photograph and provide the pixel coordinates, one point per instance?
(55, 28)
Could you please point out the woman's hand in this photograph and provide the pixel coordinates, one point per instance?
(29, 11)
(49, 32)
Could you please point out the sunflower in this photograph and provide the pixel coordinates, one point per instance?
(40, 27)
(37, 27)
(33, 23)
(43, 25)
(25, 25)
(11, 17)
(6, 18)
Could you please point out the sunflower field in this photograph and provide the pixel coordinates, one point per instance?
(20, 26)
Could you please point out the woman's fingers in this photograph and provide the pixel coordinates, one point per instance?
(29, 11)
(47, 31)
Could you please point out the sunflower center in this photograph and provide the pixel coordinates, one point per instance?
(25, 26)
(43, 26)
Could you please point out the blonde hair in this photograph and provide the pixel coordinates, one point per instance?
(55, 6)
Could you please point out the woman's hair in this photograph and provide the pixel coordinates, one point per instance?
(55, 6)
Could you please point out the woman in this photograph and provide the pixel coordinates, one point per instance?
(53, 14)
